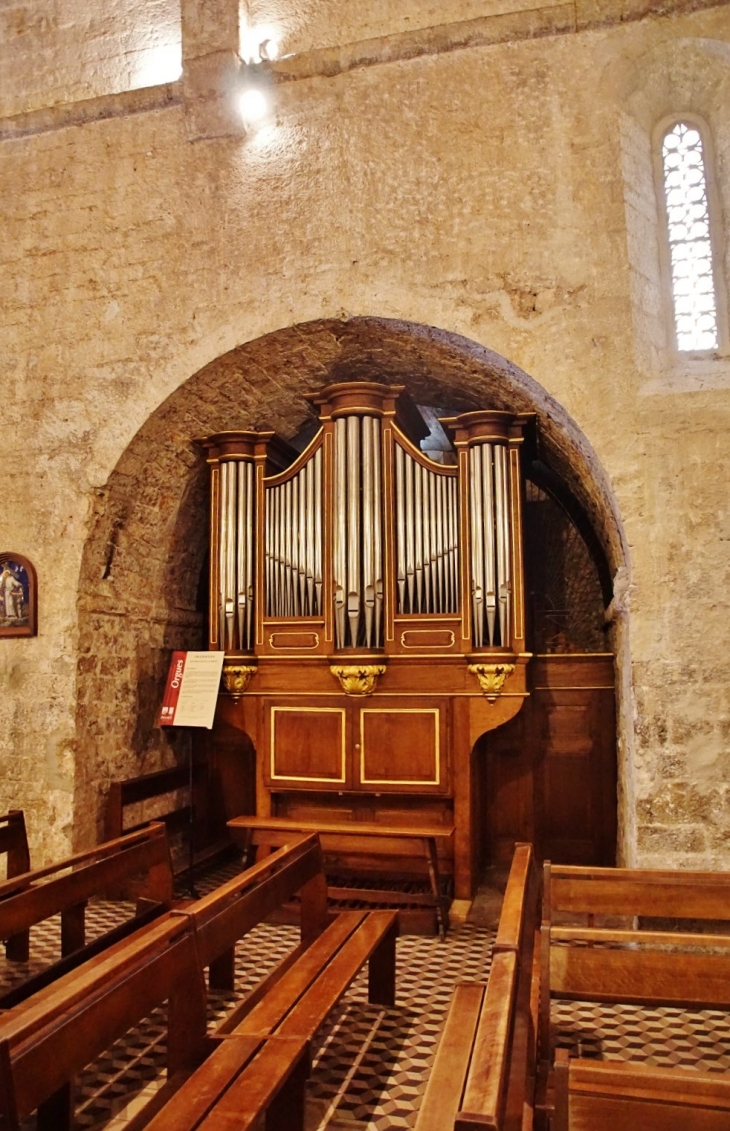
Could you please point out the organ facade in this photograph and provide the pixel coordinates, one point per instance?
(370, 602)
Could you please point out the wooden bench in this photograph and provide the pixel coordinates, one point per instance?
(624, 963)
(48, 1039)
(14, 845)
(242, 1078)
(137, 865)
(604, 956)
(609, 1096)
(52, 1036)
(484, 1072)
(274, 1026)
(262, 1051)
(358, 839)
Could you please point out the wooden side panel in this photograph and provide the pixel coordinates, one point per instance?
(550, 773)
(509, 785)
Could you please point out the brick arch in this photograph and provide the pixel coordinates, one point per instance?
(140, 582)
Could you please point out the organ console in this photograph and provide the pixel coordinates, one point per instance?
(370, 602)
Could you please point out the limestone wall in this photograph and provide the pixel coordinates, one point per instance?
(500, 191)
(61, 51)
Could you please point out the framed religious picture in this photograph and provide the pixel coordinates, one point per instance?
(18, 601)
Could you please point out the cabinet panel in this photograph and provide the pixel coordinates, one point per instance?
(401, 747)
(308, 745)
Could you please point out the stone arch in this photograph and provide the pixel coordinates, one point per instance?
(140, 591)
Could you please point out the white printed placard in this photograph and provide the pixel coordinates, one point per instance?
(191, 691)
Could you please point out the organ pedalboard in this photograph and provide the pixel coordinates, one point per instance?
(370, 603)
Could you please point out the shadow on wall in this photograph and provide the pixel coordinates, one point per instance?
(142, 593)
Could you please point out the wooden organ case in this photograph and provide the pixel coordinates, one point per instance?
(370, 602)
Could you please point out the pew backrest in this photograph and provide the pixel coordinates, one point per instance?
(145, 787)
(608, 1095)
(629, 963)
(138, 863)
(631, 892)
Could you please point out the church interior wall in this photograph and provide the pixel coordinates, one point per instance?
(490, 188)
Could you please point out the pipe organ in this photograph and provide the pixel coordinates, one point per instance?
(370, 604)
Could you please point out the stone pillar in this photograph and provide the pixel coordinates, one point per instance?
(211, 68)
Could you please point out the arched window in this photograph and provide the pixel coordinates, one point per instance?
(691, 267)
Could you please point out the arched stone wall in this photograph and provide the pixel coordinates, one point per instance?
(141, 568)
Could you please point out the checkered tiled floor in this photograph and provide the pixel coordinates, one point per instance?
(372, 1064)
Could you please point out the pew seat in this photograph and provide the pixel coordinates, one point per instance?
(300, 1001)
(242, 1078)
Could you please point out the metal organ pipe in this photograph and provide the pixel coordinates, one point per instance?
(340, 540)
(503, 554)
(236, 556)
(354, 592)
(490, 550)
(377, 530)
(426, 537)
(400, 539)
(317, 605)
(490, 596)
(477, 544)
(368, 488)
(293, 532)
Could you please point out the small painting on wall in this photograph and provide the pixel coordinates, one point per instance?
(17, 596)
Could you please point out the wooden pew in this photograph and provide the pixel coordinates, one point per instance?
(610, 1095)
(14, 844)
(138, 864)
(611, 952)
(273, 1027)
(48, 1039)
(52, 1036)
(262, 1051)
(484, 1072)
(625, 963)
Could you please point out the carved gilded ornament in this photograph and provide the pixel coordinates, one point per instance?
(236, 678)
(358, 679)
(491, 677)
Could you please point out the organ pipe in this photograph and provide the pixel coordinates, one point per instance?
(331, 500)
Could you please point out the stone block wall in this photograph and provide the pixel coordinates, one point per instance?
(487, 177)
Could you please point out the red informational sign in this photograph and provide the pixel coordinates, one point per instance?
(191, 691)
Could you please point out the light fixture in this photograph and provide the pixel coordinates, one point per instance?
(253, 104)
(269, 50)
(259, 44)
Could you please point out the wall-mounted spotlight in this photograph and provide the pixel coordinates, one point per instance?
(253, 104)
(259, 44)
(269, 50)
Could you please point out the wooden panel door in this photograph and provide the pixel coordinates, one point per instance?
(307, 746)
(575, 783)
(400, 746)
(549, 775)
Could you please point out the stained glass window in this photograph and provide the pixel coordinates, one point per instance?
(690, 248)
